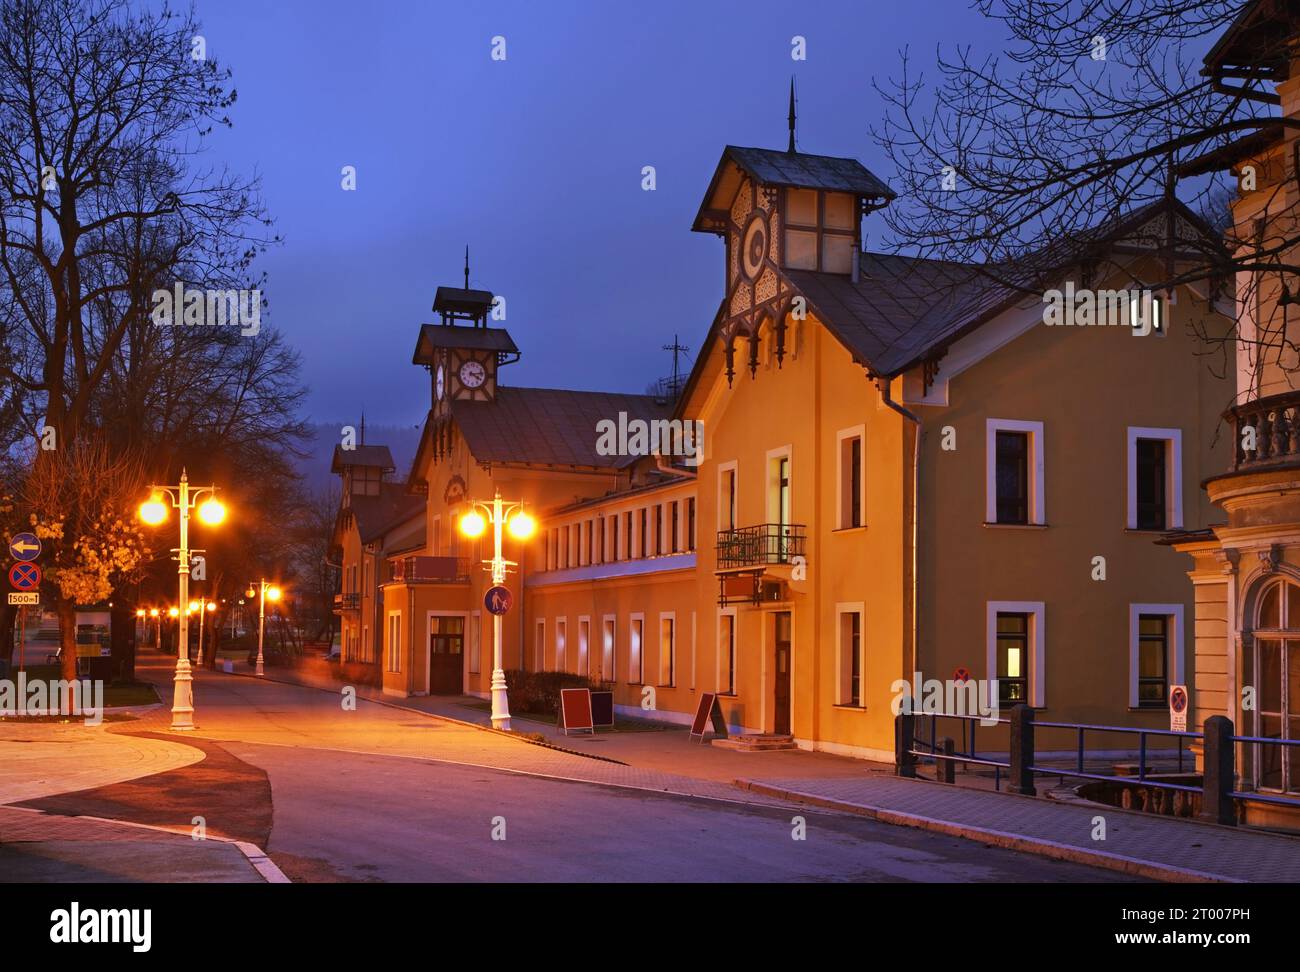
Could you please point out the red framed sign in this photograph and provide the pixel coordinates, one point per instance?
(575, 710)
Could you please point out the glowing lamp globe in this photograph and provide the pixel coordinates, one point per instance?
(153, 612)
(173, 612)
(212, 512)
(273, 593)
(472, 524)
(153, 510)
(522, 526)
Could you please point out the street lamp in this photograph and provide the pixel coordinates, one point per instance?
(153, 511)
(473, 524)
(201, 606)
(264, 591)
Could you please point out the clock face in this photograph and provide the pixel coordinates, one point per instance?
(472, 374)
(753, 247)
(440, 382)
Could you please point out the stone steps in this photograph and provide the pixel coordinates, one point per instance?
(756, 742)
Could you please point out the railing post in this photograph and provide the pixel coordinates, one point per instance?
(1220, 773)
(1022, 751)
(948, 767)
(904, 744)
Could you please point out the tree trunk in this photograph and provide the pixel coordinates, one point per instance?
(67, 611)
(8, 618)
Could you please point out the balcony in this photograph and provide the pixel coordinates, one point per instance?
(765, 543)
(348, 601)
(1276, 424)
(432, 570)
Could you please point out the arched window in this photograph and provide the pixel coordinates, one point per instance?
(1272, 669)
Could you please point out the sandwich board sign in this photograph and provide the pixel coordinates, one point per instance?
(575, 710)
(708, 711)
(1178, 708)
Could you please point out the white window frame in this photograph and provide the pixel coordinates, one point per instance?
(733, 515)
(1037, 493)
(772, 486)
(539, 644)
(609, 622)
(393, 652)
(858, 432)
(636, 664)
(475, 645)
(1173, 439)
(561, 644)
(672, 651)
(1175, 614)
(842, 669)
(584, 645)
(1037, 645)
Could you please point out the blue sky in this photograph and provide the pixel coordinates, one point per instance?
(534, 161)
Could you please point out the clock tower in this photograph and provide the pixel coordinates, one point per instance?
(463, 358)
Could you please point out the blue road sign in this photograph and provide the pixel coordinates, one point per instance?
(498, 600)
(25, 546)
(25, 577)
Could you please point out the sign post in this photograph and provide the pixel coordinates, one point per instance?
(1178, 708)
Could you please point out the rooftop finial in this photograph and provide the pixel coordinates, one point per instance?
(791, 148)
(363, 428)
(467, 266)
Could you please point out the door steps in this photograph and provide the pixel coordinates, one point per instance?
(756, 742)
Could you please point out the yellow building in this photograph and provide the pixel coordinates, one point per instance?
(903, 470)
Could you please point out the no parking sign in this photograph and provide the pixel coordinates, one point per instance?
(1178, 708)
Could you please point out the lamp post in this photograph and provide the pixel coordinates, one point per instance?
(263, 591)
(154, 511)
(500, 515)
(201, 605)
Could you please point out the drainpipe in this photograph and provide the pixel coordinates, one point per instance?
(884, 385)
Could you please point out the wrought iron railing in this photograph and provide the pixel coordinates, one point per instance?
(1266, 431)
(347, 601)
(432, 570)
(765, 543)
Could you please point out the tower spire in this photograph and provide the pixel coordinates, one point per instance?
(467, 266)
(791, 119)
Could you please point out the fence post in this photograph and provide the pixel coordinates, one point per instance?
(904, 743)
(1220, 773)
(947, 767)
(1022, 751)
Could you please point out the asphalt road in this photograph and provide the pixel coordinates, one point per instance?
(352, 817)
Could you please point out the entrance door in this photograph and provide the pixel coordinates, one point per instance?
(446, 651)
(781, 670)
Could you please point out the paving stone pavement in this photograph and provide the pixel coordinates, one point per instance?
(1224, 852)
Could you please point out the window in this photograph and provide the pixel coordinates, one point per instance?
(608, 645)
(727, 496)
(475, 642)
(778, 487)
(591, 541)
(1153, 660)
(1014, 484)
(1016, 649)
(634, 675)
(659, 529)
(584, 638)
(727, 653)
(602, 551)
(1013, 658)
(642, 546)
(628, 535)
(561, 636)
(850, 479)
(564, 552)
(820, 229)
(1146, 313)
(667, 648)
(673, 527)
(1155, 481)
(613, 542)
(395, 642)
(849, 642)
(539, 645)
(1272, 666)
(690, 523)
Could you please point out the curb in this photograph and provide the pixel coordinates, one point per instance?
(433, 715)
(255, 856)
(1132, 866)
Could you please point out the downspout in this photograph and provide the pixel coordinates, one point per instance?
(884, 385)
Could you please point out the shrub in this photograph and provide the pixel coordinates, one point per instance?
(539, 692)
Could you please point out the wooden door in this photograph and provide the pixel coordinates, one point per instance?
(446, 655)
(781, 672)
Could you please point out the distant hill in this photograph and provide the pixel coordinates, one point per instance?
(402, 441)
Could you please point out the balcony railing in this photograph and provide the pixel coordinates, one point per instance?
(1271, 425)
(432, 570)
(765, 543)
(348, 601)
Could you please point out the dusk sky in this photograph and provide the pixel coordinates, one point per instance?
(535, 162)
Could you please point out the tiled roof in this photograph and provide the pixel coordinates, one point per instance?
(803, 171)
(377, 456)
(460, 336)
(376, 515)
(548, 426)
